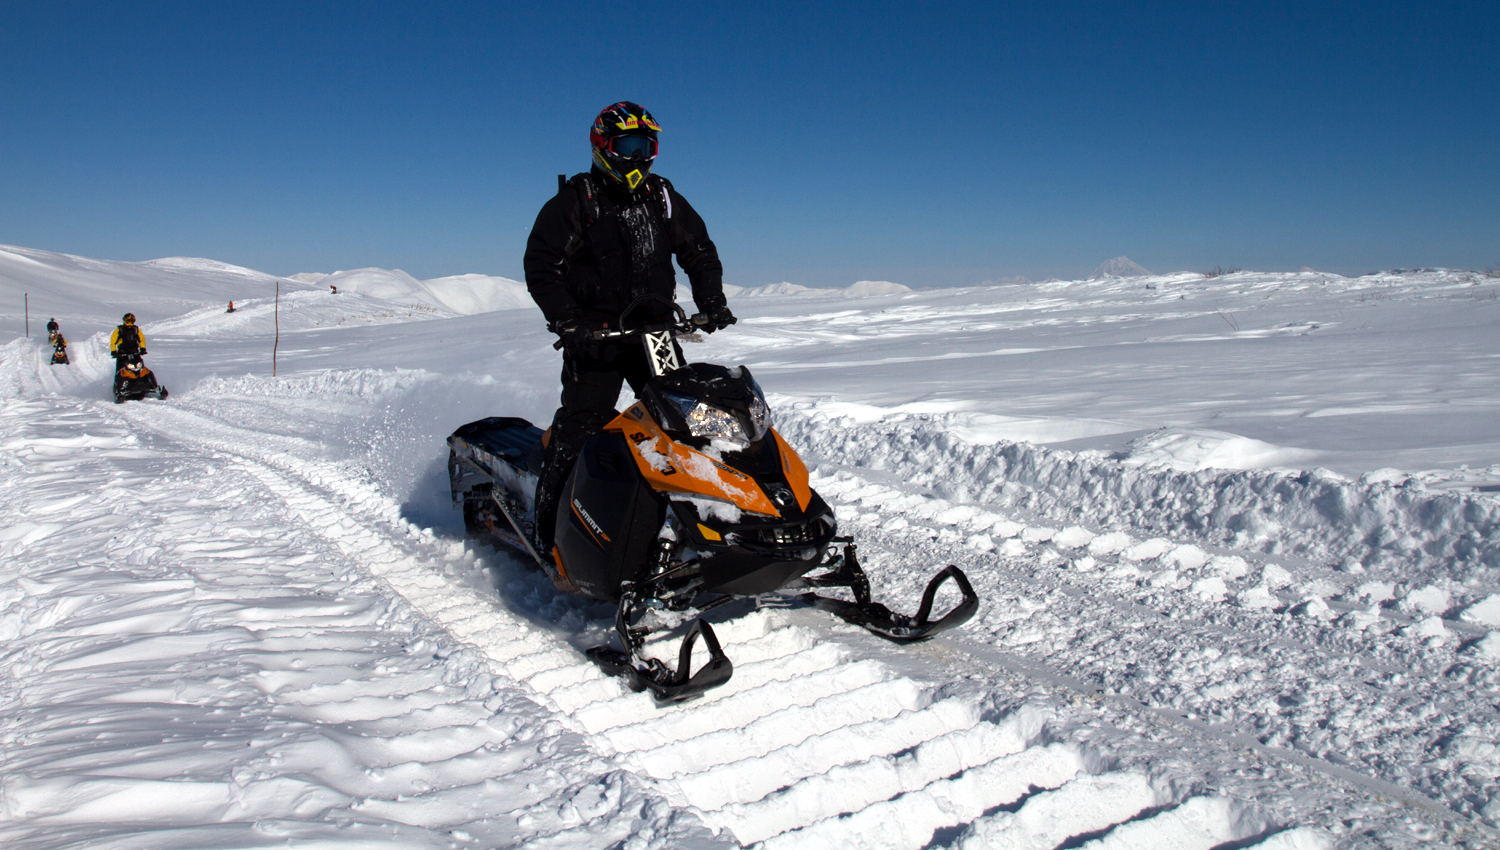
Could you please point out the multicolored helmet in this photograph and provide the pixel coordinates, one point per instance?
(624, 142)
(128, 318)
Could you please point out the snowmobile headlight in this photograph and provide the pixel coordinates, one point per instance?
(707, 421)
(714, 423)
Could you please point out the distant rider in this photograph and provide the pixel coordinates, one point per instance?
(606, 238)
(231, 307)
(51, 330)
(126, 342)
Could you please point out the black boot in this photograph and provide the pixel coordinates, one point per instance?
(549, 487)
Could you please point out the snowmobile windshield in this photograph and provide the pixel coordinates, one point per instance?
(709, 402)
(760, 412)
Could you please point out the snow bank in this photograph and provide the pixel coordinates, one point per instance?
(1194, 449)
(1441, 535)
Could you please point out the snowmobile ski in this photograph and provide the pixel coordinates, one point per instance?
(878, 619)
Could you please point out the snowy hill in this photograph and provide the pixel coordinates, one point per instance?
(458, 294)
(88, 295)
(83, 293)
(858, 289)
(1237, 542)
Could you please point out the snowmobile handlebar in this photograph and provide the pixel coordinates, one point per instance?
(676, 328)
(682, 326)
(679, 324)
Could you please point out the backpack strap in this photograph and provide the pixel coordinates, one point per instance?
(588, 197)
(660, 185)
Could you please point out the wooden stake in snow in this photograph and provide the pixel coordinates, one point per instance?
(277, 343)
(26, 300)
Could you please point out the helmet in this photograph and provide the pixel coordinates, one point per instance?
(624, 142)
(128, 318)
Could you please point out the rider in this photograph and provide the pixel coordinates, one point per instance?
(51, 328)
(605, 240)
(127, 341)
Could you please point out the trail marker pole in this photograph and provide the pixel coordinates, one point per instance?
(277, 344)
(26, 296)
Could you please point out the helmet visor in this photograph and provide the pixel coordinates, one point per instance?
(633, 147)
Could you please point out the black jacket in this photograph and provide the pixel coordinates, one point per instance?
(593, 250)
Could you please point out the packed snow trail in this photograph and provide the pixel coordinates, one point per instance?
(282, 635)
(769, 756)
(189, 662)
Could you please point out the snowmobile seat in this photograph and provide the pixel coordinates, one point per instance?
(510, 437)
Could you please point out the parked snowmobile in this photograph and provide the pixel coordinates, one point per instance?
(687, 500)
(134, 381)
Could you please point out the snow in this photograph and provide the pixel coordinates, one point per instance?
(1485, 612)
(858, 289)
(1237, 541)
(464, 294)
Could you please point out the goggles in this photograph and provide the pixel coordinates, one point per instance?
(632, 147)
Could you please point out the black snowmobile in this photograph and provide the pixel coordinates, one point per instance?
(687, 500)
(59, 350)
(134, 381)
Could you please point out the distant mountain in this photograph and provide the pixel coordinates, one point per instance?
(1118, 267)
(858, 289)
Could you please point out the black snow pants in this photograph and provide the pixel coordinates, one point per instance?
(591, 386)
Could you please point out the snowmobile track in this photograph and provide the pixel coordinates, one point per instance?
(808, 745)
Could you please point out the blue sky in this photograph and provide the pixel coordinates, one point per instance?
(925, 143)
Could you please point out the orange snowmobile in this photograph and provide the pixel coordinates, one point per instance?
(133, 381)
(687, 500)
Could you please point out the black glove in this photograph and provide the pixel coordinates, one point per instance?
(576, 337)
(143, 351)
(718, 315)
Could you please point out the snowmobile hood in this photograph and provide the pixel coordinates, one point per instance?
(672, 467)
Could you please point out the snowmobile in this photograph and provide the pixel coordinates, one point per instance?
(134, 381)
(59, 350)
(687, 500)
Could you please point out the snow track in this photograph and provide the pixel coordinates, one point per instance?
(1123, 621)
(227, 671)
(814, 742)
